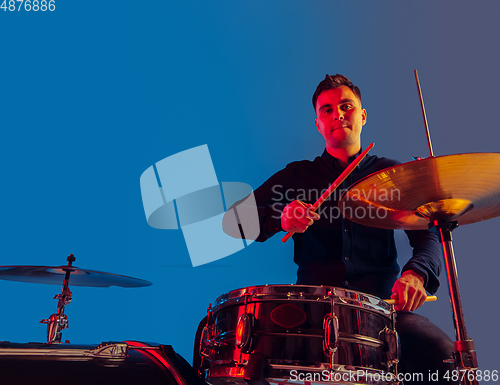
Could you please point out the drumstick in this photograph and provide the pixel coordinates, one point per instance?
(334, 185)
(428, 299)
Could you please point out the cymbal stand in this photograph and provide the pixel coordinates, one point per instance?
(57, 322)
(465, 354)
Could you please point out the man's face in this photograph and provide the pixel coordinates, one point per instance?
(340, 118)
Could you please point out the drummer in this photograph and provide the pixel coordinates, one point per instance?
(330, 250)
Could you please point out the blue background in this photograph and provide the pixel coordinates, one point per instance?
(94, 93)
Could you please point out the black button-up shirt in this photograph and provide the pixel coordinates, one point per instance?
(335, 251)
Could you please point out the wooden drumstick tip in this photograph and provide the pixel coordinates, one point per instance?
(430, 298)
(287, 237)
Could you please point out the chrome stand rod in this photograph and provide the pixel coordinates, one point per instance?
(451, 271)
(57, 322)
(465, 353)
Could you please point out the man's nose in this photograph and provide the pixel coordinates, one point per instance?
(339, 116)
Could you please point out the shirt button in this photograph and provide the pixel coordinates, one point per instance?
(346, 258)
(346, 283)
(346, 230)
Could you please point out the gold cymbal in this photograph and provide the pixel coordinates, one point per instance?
(462, 187)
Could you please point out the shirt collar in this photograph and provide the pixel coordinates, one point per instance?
(332, 162)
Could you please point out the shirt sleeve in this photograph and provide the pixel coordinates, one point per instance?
(426, 259)
(270, 198)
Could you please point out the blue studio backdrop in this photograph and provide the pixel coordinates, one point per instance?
(93, 93)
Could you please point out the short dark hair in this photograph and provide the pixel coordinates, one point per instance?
(334, 81)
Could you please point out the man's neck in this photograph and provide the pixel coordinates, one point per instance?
(343, 154)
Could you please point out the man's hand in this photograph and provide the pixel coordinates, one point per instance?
(297, 217)
(409, 291)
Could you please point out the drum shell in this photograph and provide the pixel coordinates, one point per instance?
(362, 320)
(37, 363)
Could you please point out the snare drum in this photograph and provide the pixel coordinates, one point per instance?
(124, 363)
(299, 334)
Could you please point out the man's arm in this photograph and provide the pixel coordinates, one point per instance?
(270, 200)
(295, 217)
(421, 272)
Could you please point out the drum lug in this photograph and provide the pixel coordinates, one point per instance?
(331, 333)
(244, 332)
(390, 337)
(204, 345)
(208, 341)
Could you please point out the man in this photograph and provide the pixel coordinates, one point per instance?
(333, 251)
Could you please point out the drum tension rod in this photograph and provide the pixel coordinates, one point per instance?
(331, 330)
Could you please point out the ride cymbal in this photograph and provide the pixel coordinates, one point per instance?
(464, 188)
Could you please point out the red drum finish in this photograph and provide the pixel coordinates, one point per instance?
(269, 331)
(124, 363)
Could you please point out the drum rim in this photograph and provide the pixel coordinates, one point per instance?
(318, 294)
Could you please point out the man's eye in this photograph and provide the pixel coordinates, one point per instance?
(327, 111)
(347, 107)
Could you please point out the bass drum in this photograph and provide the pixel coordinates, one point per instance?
(127, 362)
(299, 334)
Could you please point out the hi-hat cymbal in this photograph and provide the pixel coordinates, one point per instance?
(79, 277)
(464, 188)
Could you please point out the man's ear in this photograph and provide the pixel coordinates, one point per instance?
(317, 125)
(363, 115)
